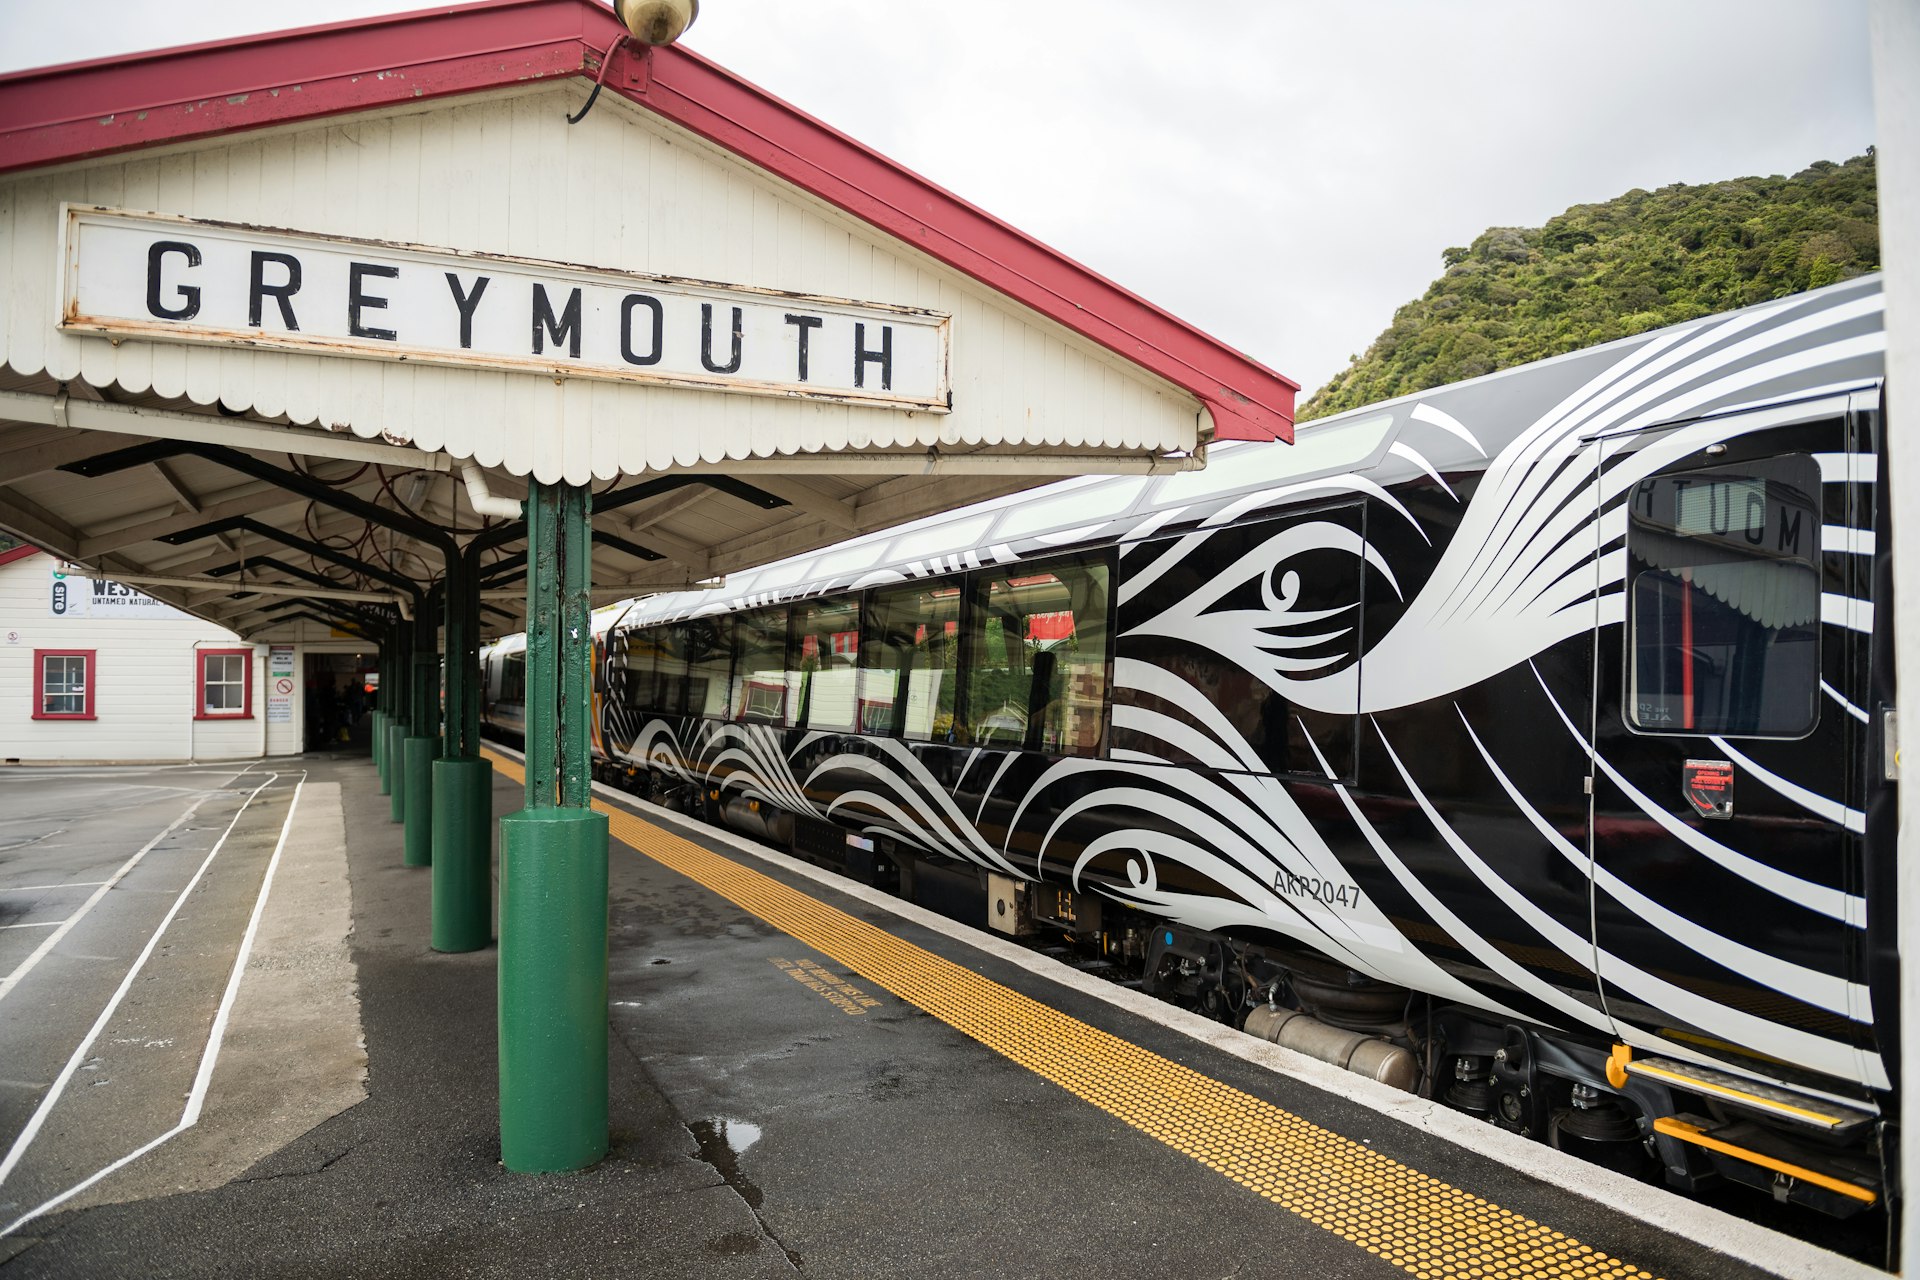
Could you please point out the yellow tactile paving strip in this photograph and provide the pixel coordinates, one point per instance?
(1414, 1221)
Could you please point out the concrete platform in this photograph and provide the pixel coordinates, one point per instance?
(811, 1079)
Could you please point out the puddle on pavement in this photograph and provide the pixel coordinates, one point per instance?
(722, 1142)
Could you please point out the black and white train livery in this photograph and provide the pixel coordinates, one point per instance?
(1519, 742)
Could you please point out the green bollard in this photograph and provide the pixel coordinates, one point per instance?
(396, 771)
(380, 752)
(553, 990)
(417, 776)
(462, 854)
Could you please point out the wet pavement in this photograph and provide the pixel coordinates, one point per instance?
(776, 1111)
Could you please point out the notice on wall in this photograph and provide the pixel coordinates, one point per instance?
(280, 684)
(73, 597)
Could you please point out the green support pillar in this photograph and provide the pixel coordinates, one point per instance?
(462, 784)
(378, 722)
(423, 738)
(397, 726)
(381, 716)
(396, 786)
(553, 904)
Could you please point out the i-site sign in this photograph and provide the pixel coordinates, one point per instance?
(165, 278)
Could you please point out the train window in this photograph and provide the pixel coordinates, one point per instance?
(1214, 627)
(709, 663)
(670, 669)
(1037, 665)
(631, 676)
(513, 677)
(1723, 601)
(827, 650)
(910, 660)
(760, 667)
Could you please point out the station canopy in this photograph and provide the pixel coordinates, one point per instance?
(258, 293)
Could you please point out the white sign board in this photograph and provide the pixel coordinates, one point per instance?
(73, 597)
(281, 684)
(167, 278)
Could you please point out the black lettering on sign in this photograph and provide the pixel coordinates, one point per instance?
(706, 340)
(189, 295)
(467, 303)
(862, 357)
(1720, 507)
(1643, 498)
(1756, 517)
(805, 324)
(258, 290)
(563, 328)
(358, 300)
(627, 305)
(1790, 530)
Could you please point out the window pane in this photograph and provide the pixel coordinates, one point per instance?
(1037, 674)
(828, 647)
(670, 669)
(629, 675)
(709, 654)
(760, 667)
(63, 685)
(1724, 609)
(224, 683)
(910, 661)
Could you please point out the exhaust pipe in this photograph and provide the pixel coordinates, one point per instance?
(1364, 1055)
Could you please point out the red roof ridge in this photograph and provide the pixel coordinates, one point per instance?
(81, 110)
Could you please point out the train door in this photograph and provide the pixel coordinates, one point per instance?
(1725, 856)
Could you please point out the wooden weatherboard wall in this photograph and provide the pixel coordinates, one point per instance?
(503, 173)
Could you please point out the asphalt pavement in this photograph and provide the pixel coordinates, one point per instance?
(761, 1125)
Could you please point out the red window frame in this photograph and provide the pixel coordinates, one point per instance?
(40, 656)
(200, 711)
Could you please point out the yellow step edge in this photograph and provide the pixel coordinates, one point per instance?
(1676, 1128)
(1644, 1067)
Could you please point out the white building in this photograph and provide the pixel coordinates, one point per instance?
(96, 671)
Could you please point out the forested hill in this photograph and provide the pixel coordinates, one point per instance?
(1604, 271)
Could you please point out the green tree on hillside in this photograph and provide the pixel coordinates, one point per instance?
(1604, 271)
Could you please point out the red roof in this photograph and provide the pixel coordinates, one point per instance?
(20, 552)
(86, 109)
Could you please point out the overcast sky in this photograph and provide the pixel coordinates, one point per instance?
(1280, 173)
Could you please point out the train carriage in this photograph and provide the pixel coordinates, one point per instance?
(1518, 742)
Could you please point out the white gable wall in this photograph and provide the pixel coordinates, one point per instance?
(143, 681)
(505, 173)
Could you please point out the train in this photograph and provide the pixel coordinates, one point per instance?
(1522, 743)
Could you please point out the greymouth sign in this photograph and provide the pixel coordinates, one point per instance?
(161, 277)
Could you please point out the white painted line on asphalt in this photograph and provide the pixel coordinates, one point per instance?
(43, 924)
(1749, 1242)
(25, 967)
(40, 1114)
(204, 1076)
(197, 1096)
(69, 884)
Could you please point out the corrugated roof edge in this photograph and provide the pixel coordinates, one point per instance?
(58, 115)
